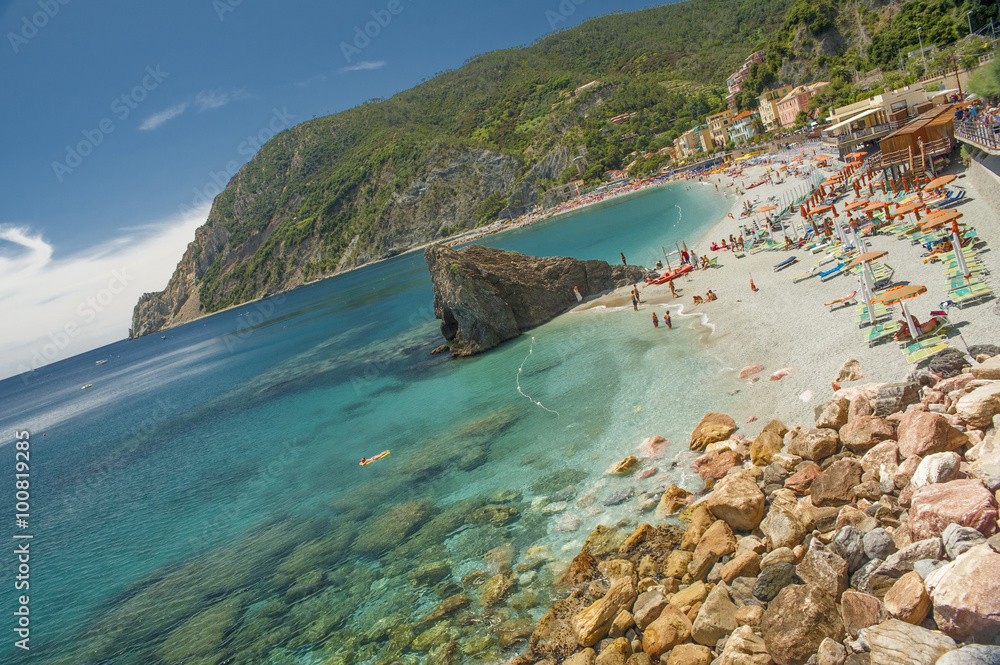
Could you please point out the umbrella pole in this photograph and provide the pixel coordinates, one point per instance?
(956, 243)
(909, 321)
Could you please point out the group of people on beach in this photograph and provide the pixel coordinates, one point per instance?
(708, 297)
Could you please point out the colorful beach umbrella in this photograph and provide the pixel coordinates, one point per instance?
(938, 183)
(854, 205)
(901, 294)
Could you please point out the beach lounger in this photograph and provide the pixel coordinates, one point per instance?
(881, 332)
(791, 260)
(832, 272)
(925, 353)
(842, 302)
(970, 295)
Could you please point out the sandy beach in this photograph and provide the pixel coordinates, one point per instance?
(785, 325)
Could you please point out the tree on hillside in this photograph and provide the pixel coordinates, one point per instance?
(986, 82)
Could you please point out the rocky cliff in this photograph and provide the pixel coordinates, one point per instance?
(485, 296)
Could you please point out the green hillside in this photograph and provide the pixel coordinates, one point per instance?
(491, 137)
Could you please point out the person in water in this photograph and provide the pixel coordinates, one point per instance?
(635, 303)
(656, 321)
(666, 318)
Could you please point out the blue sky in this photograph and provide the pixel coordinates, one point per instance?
(118, 119)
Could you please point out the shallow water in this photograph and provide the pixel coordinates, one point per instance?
(202, 501)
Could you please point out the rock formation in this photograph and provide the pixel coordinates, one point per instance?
(485, 296)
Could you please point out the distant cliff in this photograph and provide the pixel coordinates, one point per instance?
(485, 296)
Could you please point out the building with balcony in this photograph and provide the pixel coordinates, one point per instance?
(741, 131)
(693, 141)
(718, 125)
(767, 106)
(797, 100)
(735, 81)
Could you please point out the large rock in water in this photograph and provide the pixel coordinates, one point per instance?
(485, 296)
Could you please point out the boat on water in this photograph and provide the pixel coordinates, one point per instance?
(84, 387)
(101, 362)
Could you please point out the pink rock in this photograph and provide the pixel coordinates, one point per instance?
(922, 433)
(780, 374)
(750, 371)
(954, 383)
(962, 502)
(966, 595)
(834, 487)
(860, 610)
(653, 447)
(750, 419)
(717, 463)
(800, 481)
(646, 473)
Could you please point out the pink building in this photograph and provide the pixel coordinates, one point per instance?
(797, 100)
(735, 82)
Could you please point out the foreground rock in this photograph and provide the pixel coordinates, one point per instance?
(485, 296)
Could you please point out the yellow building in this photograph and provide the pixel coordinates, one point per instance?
(718, 125)
(768, 106)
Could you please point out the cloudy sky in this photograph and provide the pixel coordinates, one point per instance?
(119, 120)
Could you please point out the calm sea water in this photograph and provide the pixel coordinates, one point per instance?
(202, 502)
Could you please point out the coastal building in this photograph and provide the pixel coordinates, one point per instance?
(736, 79)
(718, 125)
(741, 131)
(767, 106)
(797, 100)
(692, 141)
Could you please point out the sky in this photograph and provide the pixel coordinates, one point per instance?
(121, 120)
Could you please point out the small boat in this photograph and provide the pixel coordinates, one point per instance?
(163, 336)
(101, 362)
(366, 462)
(86, 386)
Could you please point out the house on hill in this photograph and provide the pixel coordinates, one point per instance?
(797, 100)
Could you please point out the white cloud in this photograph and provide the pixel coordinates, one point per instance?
(213, 99)
(309, 81)
(67, 305)
(363, 65)
(157, 119)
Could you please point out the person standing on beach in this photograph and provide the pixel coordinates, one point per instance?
(635, 303)
(673, 291)
(576, 292)
(623, 258)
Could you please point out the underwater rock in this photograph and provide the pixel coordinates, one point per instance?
(495, 515)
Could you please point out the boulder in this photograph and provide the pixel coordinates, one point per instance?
(653, 447)
(814, 444)
(979, 406)
(712, 427)
(902, 561)
(962, 502)
(717, 539)
(673, 500)
(593, 623)
(922, 433)
(797, 621)
(778, 555)
(782, 527)
(776, 427)
(668, 630)
(689, 595)
(833, 414)
(987, 370)
(801, 481)
(616, 653)
(716, 463)
(677, 564)
(972, 654)
(936, 468)
(716, 618)
(553, 636)
(689, 654)
(960, 539)
(831, 653)
(864, 432)
(849, 371)
(749, 615)
(485, 295)
(772, 580)
(585, 657)
(966, 595)
(893, 642)
(834, 487)
(824, 569)
(625, 467)
(647, 607)
(878, 544)
(763, 448)
(701, 519)
(884, 455)
(738, 501)
(745, 564)
(860, 610)
(848, 544)
(907, 600)
(894, 397)
(744, 647)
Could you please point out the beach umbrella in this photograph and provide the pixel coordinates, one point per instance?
(901, 294)
(854, 205)
(912, 206)
(942, 219)
(938, 183)
(865, 260)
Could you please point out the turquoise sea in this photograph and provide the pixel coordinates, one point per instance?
(202, 502)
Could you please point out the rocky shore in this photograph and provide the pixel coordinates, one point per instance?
(869, 537)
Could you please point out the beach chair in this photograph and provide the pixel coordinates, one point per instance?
(926, 352)
(832, 272)
(970, 295)
(842, 302)
(881, 332)
(791, 260)
(861, 315)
